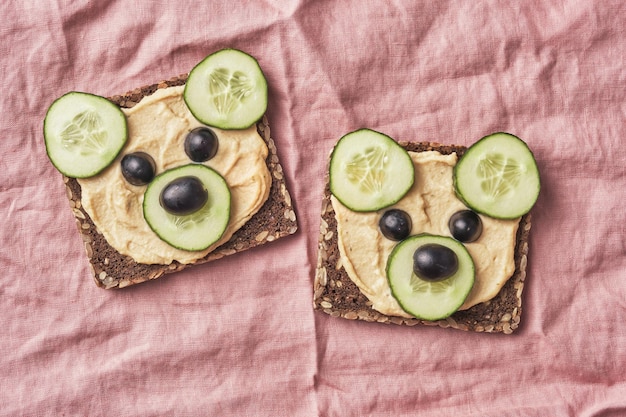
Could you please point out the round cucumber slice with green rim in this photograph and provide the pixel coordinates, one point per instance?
(369, 171)
(200, 229)
(423, 299)
(83, 133)
(227, 90)
(498, 176)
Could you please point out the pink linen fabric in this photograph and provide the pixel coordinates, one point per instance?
(239, 337)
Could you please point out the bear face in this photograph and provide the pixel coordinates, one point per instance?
(158, 126)
(430, 203)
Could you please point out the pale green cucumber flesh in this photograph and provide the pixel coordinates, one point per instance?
(196, 231)
(227, 90)
(369, 171)
(423, 299)
(83, 133)
(498, 176)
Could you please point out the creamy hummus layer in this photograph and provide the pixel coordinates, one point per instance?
(430, 203)
(158, 126)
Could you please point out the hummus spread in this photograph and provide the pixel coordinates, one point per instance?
(430, 203)
(157, 125)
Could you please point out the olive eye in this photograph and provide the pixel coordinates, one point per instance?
(201, 144)
(138, 168)
(465, 226)
(395, 224)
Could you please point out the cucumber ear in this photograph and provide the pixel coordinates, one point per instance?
(83, 134)
(498, 177)
(227, 90)
(369, 171)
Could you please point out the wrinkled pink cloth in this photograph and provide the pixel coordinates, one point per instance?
(239, 337)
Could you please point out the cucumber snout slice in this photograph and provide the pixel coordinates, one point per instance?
(498, 176)
(423, 298)
(369, 171)
(202, 227)
(83, 133)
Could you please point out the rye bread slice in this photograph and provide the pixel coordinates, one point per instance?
(110, 269)
(336, 294)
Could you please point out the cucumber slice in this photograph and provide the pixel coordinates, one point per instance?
(196, 231)
(227, 90)
(423, 299)
(83, 133)
(498, 176)
(369, 171)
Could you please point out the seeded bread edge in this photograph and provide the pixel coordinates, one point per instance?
(335, 294)
(110, 269)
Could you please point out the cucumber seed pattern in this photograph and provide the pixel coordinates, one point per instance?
(499, 174)
(85, 133)
(190, 220)
(419, 285)
(229, 89)
(367, 169)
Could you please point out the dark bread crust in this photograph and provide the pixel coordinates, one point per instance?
(274, 220)
(337, 295)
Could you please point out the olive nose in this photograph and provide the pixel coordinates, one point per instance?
(183, 196)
